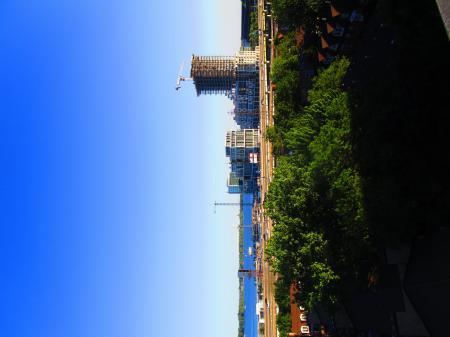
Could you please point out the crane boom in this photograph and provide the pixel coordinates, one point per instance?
(181, 77)
(231, 204)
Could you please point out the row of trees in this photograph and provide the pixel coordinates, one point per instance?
(358, 169)
(253, 30)
(315, 198)
(295, 12)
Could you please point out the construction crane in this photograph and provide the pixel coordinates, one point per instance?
(231, 204)
(181, 78)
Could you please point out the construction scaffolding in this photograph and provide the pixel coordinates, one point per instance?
(213, 74)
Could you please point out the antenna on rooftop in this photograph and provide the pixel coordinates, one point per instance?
(181, 78)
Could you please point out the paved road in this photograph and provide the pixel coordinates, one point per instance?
(266, 113)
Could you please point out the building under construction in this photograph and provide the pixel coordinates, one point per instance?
(236, 77)
(246, 98)
(242, 148)
(213, 74)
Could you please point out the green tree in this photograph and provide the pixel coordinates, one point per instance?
(296, 12)
(253, 30)
(273, 134)
(315, 198)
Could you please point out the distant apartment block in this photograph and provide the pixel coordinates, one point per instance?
(242, 149)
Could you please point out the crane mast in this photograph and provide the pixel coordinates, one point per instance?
(181, 78)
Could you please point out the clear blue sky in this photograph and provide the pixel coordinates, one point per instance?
(108, 174)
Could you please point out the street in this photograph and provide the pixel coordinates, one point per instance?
(266, 113)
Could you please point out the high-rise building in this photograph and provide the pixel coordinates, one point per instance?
(236, 77)
(246, 89)
(213, 74)
(218, 74)
(242, 148)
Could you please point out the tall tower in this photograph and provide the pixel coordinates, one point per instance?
(213, 74)
(220, 74)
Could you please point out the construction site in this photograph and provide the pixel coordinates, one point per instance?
(243, 78)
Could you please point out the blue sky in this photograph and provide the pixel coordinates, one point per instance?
(108, 174)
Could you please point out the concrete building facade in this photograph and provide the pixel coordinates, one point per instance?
(242, 149)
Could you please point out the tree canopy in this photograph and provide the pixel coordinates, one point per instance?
(295, 12)
(315, 198)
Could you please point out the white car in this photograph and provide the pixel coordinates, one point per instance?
(304, 329)
(303, 317)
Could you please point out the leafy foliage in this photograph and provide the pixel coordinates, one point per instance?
(284, 324)
(315, 198)
(296, 12)
(253, 30)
